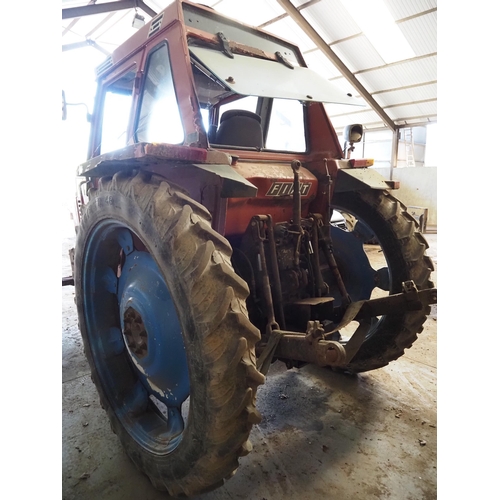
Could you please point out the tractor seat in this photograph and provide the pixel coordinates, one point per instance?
(240, 128)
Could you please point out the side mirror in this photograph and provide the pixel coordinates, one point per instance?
(66, 104)
(352, 133)
(64, 108)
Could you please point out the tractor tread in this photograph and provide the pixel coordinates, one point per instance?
(225, 337)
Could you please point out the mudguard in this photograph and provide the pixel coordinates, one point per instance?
(355, 179)
(146, 156)
(234, 185)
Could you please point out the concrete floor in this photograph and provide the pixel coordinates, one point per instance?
(323, 434)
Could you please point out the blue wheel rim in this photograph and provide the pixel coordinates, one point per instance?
(359, 277)
(135, 336)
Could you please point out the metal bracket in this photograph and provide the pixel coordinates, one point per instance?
(225, 44)
(68, 280)
(266, 356)
(410, 294)
(354, 343)
(282, 59)
(314, 332)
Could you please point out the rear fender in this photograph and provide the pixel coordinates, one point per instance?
(356, 179)
(165, 159)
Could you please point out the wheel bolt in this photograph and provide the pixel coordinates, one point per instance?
(135, 333)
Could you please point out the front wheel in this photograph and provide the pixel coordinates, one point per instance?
(371, 271)
(166, 332)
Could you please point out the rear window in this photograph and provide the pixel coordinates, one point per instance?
(286, 126)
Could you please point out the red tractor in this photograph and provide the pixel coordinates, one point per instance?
(205, 245)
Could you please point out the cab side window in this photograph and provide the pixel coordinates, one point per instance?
(286, 126)
(116, 112)
(159, 117)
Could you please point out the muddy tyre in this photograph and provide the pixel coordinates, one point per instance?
(383, 217)
(166, 332)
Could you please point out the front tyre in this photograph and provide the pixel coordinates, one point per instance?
(166, 332)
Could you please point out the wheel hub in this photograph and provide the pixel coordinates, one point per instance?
(151, 329)
(135, 333)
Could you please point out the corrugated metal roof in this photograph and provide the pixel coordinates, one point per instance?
(259, 13)
(401, 9)
(415, 93)
(421, 33)
(288, 29)
(331, 20)
(419, 109)
(318, 62)
(406, 90)
(358, 53)
(368, 118)
(397, 75)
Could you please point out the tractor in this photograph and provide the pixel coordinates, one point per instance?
(221, 227)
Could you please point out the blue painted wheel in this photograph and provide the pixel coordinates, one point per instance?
(166, 334)
(143, 339)
(374, 270)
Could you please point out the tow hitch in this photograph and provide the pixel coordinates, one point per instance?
(312, 347)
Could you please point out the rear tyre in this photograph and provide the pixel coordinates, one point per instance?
(166, 332)
(381, 216)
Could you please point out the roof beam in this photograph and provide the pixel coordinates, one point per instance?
(357, 35)
(405, 87)
(84, 43)
(282, 16)
(72, 23)
(104, 21)
(418, 14)
(420, 117)
(422, 101)
(327, 50)
(396, 63)
(89, 10)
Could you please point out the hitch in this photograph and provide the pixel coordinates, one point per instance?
(69, 280)
(312, 347)
(410, 299)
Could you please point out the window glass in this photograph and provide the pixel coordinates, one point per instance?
(159, 119)
(286, 126)
(208, 89)
(116, 112)
(205, 117)
(248, 103)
